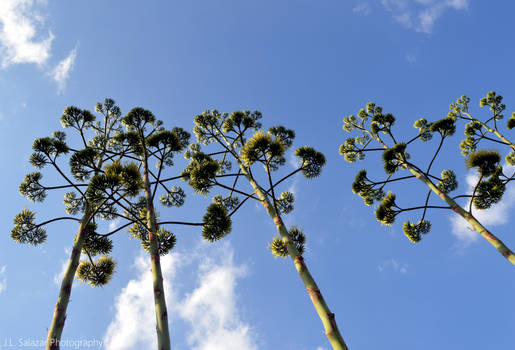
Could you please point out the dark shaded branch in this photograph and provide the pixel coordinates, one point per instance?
(58, 219)
(235, 190)
(181, 223)
(434, 156)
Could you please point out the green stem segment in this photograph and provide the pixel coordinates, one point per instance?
(490, 237)
(163, 333)
(57, 324)
(327, 317)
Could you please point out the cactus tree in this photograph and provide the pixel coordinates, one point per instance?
(146, 142)
(227, 134)
(85, 161)
(372, 125)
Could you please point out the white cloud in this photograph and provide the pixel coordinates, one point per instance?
(362, 8)
(58, 277)
(496, 215)
(421, 15)
(393, 265)
(3, 278)
(135, 306)
(61, 72)
(211, 307)
(24, 39)
(19, 40)
(410, 58)
(114, 224)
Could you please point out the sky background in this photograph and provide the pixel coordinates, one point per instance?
(305, 65)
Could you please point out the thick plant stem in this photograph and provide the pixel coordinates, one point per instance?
(57, 324)
(163, 333)
(490, 237)
(327, 317)
(495, 132)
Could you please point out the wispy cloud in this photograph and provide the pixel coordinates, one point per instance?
(3, 278)
(24, 38)
(58, 277)
(211, 307)
(410, 58)
(362, 8)
(421, 15)
(496, 215)
(134, 307)
(394, 265)
(20, 42)
(61, 72)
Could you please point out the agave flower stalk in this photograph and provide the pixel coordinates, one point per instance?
(488, 190)
(206, 171)
(146, 142)
(83, 164)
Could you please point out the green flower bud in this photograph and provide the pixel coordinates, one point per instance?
(312, 161)
(216, 223)
(26, 231)
(77, 118)
(174, 198)
(385, 213)
(445, 126)
(82, 163)
(72, 204)
(285, 135)
(31, 188)
(393, 158)
(414, 231)
(201, 172)
(448, 183)
(485, 161)
(229, 203)
(285, 202)
(279, 248)
(137, 118)
(97, 274)
(489, 191)
(511, 122)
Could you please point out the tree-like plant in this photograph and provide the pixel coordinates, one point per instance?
(375, 126)
(227, 134)
(83, 163)
(146, 142)
(106, 178)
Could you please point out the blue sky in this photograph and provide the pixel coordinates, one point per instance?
(305, 65)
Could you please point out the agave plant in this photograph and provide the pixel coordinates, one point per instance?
(372, 125)
(229, 143)
(85, 166)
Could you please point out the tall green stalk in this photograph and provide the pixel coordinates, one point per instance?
(489, 188)
(163, 333)
(326, 316)
(267, 148)
(483, 231)
(59, 316)
(147, 140)
(56, 326)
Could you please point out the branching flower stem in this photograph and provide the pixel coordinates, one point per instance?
(483, 231)
(325, 314)
(163, 333)
(59, 316)
(489, 129)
